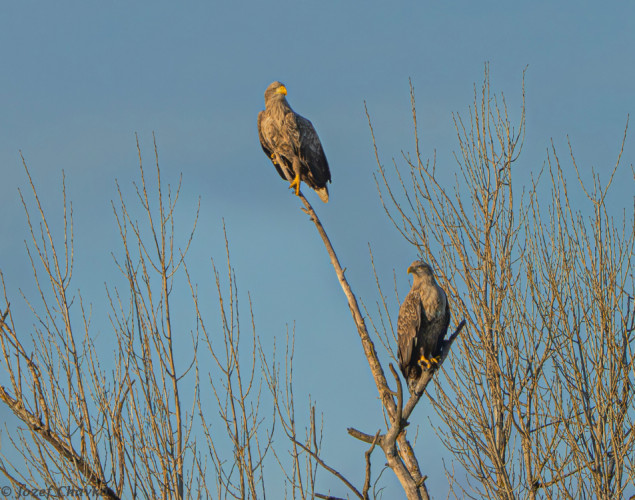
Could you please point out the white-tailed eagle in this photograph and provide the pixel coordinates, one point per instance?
(423, 321)
(292, 144)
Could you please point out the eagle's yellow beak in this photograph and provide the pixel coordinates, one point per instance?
(411, 269)
(281, 90)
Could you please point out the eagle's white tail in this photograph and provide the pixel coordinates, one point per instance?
(323, 193)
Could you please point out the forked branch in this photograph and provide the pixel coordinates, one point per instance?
(401, 458)
(398, 424)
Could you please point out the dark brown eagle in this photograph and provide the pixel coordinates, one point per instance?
(423, 321)
(292, 144)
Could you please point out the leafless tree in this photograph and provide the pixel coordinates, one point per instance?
(537, 399)
(127, 429)
(580, 275)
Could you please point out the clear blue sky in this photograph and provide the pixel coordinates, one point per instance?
(78, 79)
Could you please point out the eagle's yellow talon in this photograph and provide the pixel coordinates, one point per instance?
(429, 362)
(423, 361)
(295, 183)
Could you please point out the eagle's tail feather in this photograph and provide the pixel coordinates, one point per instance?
(323, 193)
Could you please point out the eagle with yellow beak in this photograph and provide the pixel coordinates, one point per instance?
(292, 144)
(423, 321)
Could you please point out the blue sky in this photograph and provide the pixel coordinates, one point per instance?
(79, 79)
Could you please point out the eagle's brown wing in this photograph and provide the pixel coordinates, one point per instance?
(299, 132)
(408, 328)
(444, 327)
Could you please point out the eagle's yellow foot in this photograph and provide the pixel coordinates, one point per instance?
(429, 362)
(295, 183)
(273, 158)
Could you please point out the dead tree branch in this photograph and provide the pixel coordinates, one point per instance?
(401, 459)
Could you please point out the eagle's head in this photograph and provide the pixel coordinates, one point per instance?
(421, 271)
(275, 91)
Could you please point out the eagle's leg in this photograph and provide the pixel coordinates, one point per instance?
(295, 183)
